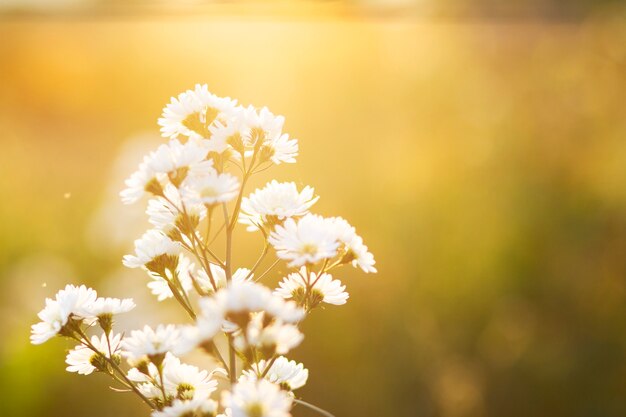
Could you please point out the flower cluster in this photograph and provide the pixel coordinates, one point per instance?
(195, 186)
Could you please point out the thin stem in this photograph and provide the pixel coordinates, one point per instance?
(217, 233)
(268, 270)
(334, 264)
(268, 366)
(181, 300)
(313, 407)
(209, 216)
(232, 370)
(217, 353)
(229, 239)
(259, 260)
(189, 308)
(162, 384)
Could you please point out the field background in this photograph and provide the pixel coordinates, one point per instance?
(478, 147)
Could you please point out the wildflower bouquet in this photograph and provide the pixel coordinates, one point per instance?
(195, 203)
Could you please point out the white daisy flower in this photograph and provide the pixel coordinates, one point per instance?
(277, 337)
(175, 160)
(280, 149)
(192, 113)
(211, 188)
(81, 359)
(355, 252)
(152, 342)
(196, 407)
(164, 212)
(141, 181)
(219, 277)
(305, 241)
(147, 377)
(67, 302)
(107, 306)
(187, 381)
(289, 375)
(184, 269)
(252, 297)
(153, 247)
(169, 163)
(311, 289)
(224, 135)
(257, 399)
(274, 203)
(261, 125)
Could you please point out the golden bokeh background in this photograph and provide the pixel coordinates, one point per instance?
(483, 160)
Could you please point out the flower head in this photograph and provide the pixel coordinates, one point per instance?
(280, 149)
(274, 203)
(196, 407)
(155, 251)
(153, 343)
(260, 125)
(185, 381)
(193, 112)
(107, 305)
(185, 268)
(353, 249)
(257, 399)
(57, 312)
(212, 188)
(311, 289)
(83, 360)
(305, 241)
(276, 337)
(167, 213)
(289, 375)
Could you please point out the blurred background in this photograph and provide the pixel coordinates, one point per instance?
(479, 147)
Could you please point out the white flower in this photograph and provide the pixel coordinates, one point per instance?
(274, 203)
(211, 188)
(152, 245)
(277, 337)
(355, 252)
(196, 407)
(163, 212)
(312, 289)
(192, 112)
(181, 381)
(152, 342)
(287, 374)
(222, 135)
(81, 358)
(187, 381)
(142, 180)
(262, 125)
(219, 277)
(185, 268)
(146, 382)
(170, 163)
(252, 297)
(103, 306)
(257, 399)
(307, 241)
(282, 149)
(174, 156)
(55, 315)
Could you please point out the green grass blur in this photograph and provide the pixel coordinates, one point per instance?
(483, 162)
